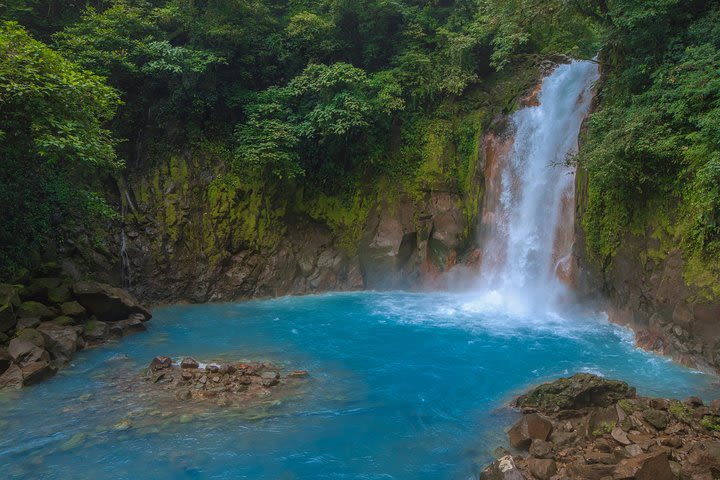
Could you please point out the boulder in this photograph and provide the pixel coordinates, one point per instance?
(502, 469)
(656, 418)
(270, 378)
(189, 362)
(72, 309)
(62, 342)
(108, 303)
(31, 335)
(132, 325)
(38, 288)
(35, 372)
(649, 466)
(24, 352)
(579, 391)
(60, 294)
(29, 322)
(33, 309)
(619, 435)
(12, 378)
(160, 363)
(528, 428)
(542, 469)
(96, 331)
(541, 449)
(9, 305)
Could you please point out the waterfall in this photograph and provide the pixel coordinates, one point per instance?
(527, 226)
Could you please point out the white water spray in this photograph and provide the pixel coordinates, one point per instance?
(528, 212)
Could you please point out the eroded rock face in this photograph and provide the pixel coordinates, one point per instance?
(108, 303)
(599, 430)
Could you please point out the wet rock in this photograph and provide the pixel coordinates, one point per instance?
(130, 325)
(72, 309)
(270, 379)
(33, 309)
(24, 352)
(160, 363)
(190, 363)
(298, 374)
(542, 469)
(528, 428)
(650, 466)
(61, 342)
(11, 378)
(600, 457)
(108, 303)
(35, 372)
(579, 391)
(502, 469)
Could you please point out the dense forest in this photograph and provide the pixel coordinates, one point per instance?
(332, 94)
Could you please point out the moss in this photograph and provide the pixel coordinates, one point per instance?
(711, 422)
(680, 411)
(627, 406)
(603, 429)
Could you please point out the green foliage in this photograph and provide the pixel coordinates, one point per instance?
(603, 429)
(680, 411)
(711, 422)
(656, 135)
(51, 114)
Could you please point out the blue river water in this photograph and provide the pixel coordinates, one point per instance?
(402, 386)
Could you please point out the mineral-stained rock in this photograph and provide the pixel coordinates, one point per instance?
(542, 469)
(35, 309)
(649, 466)
(12, 378)
(529, 427)
(580, 390)
(37, 371)
(502, 469)
(108, 303)
(72, 309)
(189, 362)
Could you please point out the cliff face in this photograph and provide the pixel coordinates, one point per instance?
(650, 286)
(193, 233)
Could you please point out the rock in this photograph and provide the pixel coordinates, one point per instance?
(133, 324)
(25, 352)
(63, 320)
(30, 322)
(634, 450)
(299, 374)
(190, 363)
(9, 305)
(529, 427)
(5, 360)
(656, 418)
(39, 287)
(32, 335)
(579, 391)
(619, 435)
(541, 449)
(62, 342)
(694, 401)
(33, 309)
(649, 466)
(59, 294)
(582, 471)
(502, 469)
(96, 331)
(213, 368)
(542, 469)
(72, 309)
(36, 372)
(270, 378)
(108, 303)
(160, 363)
(12, 378)
(561, 439)
(600, 457)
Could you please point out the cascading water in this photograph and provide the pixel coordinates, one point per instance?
(528, 212)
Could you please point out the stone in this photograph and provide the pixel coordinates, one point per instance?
(5, 360)
(36, 372)
(299, 374)
(32, 335)
(541, 449)
(213, 368)
(72, 309)
(619, 435)
(579, 391)
(600, 457)
(12, 378)
(561, 439)
(9, 304)
(529, 427)
(38, 288)
(23, 352)
(634, 450)
(542, 469)
(63, 320)
(581, 470)
(29, 322)
(108, 303)
(33, 309)
(502, 469)
(659, 403)
(190, 363)
(160, 363)
(694, 401)
(649, 466)
(133, 324)
(96, 331)
(59, 294)
(656, 418)
(270, 378)
(61, 341)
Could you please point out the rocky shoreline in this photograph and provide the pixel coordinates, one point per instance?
(45, 321)
(586, 427)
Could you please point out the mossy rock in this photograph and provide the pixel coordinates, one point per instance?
(72, 309)
(579, 391)
(32, 308)
(64, 320)
(60, 294)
